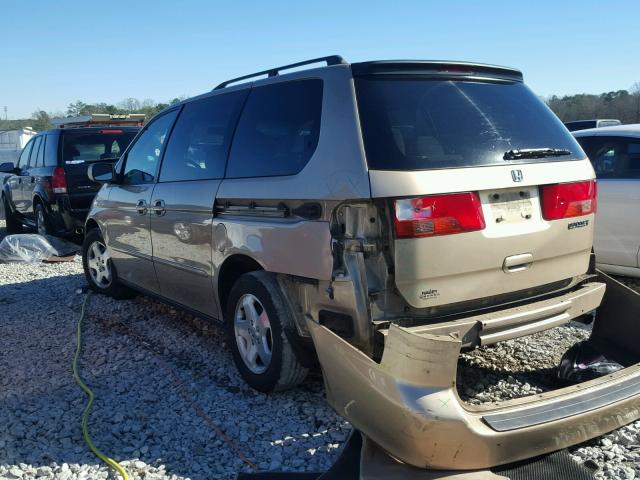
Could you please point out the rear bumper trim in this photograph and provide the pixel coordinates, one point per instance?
(562, 408)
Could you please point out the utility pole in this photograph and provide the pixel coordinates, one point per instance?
(5, 113)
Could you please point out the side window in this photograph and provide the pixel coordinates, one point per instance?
(40, 158)
(142, 159)
(613, 157)
(278, 130)
(632, 166)
(199, 143)
(35, 151)
(23, 161)
(51, 151)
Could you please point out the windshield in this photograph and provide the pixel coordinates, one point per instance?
(419, 124)
(99, 145)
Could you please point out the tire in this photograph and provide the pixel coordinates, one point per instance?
(98, 268)
(43, 224)
(13, 225)
(283, 370)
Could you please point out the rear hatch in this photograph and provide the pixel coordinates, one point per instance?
(83, 148)
(487, 191)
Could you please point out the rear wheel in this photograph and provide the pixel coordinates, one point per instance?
(13, 225)
(43, 225)
(99, 269)
(257, 315)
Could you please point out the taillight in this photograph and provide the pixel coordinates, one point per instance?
(110, 131)
(438, 215)
(59, 181)
(566, 200)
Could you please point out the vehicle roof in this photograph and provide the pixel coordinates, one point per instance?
(594, 120)
(630, 130)
(458, 69)
(124, 128)
(386, 67)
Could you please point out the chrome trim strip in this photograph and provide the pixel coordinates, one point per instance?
(565, 407)
(180, 266)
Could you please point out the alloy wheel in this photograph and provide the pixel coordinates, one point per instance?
(99, 263)
(253, 333)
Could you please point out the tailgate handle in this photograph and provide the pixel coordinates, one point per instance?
(517, 263)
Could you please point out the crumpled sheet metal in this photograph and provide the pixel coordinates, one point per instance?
(34, 248)
(408, 405)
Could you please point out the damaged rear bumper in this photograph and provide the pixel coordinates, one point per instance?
(408, 403)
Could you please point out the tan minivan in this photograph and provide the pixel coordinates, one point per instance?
(378, 217)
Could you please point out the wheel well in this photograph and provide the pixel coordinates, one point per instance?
(90, 225)
(232, 268)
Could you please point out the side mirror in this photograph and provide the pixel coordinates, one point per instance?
(7, 167)
(102, 173)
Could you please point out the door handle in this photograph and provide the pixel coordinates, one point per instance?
(141, 207)
(159, 208)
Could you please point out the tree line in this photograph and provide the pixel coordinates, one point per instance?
(41, 120)
(621, 104)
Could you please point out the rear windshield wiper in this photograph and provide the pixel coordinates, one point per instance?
(535, 153)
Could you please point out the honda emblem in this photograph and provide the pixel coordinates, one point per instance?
(516, 175)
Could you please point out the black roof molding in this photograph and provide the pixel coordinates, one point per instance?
(437, 68)
(273, 72)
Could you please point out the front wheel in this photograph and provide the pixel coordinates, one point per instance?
(98, 267)
(256, 317)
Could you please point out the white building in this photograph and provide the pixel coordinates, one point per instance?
(12, 142)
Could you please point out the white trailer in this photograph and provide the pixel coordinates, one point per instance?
(12, 142)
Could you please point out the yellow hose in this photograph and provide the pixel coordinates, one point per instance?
(87, 411)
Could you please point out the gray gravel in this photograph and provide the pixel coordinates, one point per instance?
(140, 415)
(146, 362)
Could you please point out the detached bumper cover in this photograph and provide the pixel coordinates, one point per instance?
(408, 403)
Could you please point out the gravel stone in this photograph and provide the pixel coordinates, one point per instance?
(142, 418)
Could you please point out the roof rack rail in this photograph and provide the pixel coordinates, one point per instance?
(274, 72)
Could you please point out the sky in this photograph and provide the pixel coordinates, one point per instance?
(56, 52)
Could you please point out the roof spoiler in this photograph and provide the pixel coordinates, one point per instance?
(100, 119)
(437, 68)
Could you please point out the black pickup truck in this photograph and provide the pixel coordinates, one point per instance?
(48, 189)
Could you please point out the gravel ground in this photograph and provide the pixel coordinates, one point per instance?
(166, 387)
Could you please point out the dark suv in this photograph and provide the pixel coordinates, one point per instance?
(49, 189)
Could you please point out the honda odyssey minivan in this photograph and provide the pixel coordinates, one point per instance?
(377, 217)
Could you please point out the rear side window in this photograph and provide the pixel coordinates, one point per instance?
(278, 130)
(613, 157)
(34, 152)
(23, 161)
(40, 159)
(99, 145)
(51, 151)
(199, 143)
(421, 124)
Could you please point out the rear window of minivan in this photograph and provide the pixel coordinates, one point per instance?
(420, 124)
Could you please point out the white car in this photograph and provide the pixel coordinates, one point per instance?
(615, 154)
